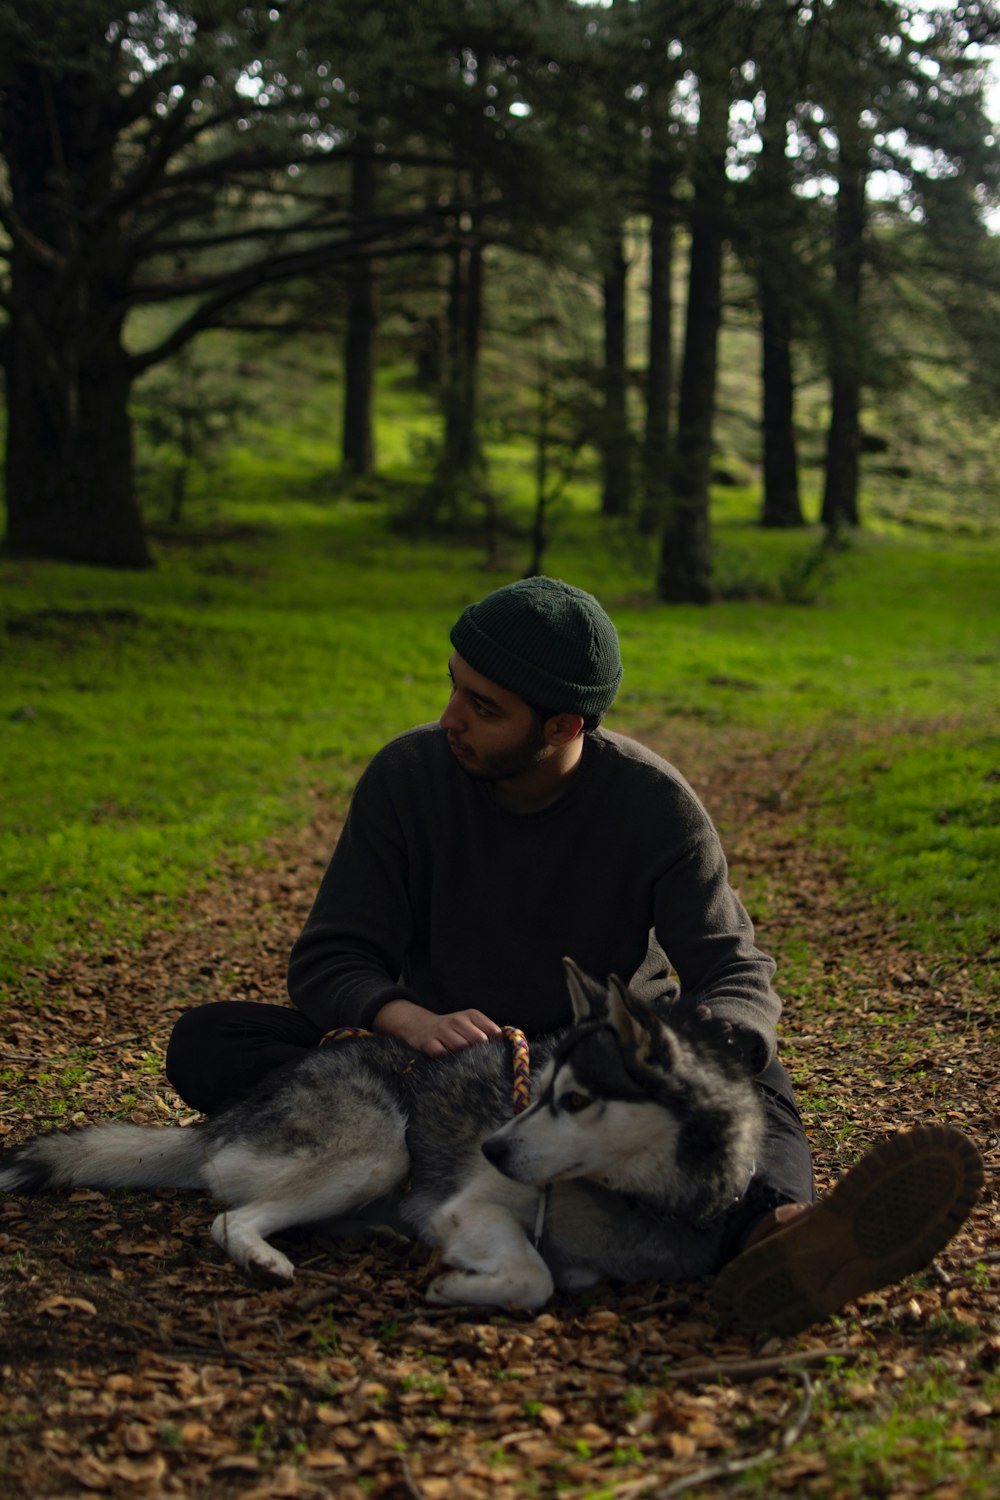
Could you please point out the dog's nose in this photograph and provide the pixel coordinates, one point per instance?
(495, 1151)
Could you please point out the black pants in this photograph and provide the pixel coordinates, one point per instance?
(217, 1054)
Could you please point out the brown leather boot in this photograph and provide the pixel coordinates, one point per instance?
(886, 1218)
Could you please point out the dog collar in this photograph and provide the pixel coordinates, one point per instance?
(540, 1212)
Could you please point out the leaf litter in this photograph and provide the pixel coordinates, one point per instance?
(136, 1362)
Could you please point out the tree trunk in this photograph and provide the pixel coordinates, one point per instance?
(659, 365)
(68, 468)
(776, 290)
(68, 464)
(539, 522)
(460, 468)
(685, 572)
(465, 306)
(616, 487)
(359, 351)
(843, 448)
(782, 501)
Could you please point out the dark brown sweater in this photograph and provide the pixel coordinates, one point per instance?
(436, 893)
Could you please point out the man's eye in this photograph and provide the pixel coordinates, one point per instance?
(573, 1103)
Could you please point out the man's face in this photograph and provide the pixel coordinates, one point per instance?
(493, 734)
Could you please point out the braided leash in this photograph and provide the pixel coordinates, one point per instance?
(522, 1067)
(341, 1033)
(521, 1090)
(522, 1098)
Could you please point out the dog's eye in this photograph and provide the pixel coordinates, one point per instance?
(573, 1103)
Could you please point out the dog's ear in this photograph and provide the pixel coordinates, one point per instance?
(589, 999)
(627, 1017)
(641, 1028)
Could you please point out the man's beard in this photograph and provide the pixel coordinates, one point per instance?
(508, 764)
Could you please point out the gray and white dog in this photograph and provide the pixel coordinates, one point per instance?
(639, 1134)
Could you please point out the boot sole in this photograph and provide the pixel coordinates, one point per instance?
(886, 1218)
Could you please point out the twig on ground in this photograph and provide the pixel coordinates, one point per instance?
(220, 1332)
(676, 1305)
(754, 1369)
(725, 1470)
(409, 1483)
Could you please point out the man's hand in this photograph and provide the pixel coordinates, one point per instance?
(431, 1033)
(736, 1040)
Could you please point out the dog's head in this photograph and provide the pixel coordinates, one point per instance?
(629, 1102)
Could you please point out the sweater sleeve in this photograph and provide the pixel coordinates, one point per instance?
(703, 928)
(346, 964)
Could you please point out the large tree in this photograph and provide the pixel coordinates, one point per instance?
(685, 566)
(776, 221)
(175, 158)
(900, 91)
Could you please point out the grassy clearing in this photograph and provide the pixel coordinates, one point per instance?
(151, 723)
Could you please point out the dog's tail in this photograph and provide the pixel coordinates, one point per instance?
(116, 1155)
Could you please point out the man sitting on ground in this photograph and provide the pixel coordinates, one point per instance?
(480, 850)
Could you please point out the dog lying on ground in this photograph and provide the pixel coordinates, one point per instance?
(638, 1131)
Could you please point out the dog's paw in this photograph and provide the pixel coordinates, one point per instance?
(451, 1288)
(244, 1245)
(470, 1289)
(274, 1268)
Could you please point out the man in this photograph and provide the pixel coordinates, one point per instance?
(478, 851)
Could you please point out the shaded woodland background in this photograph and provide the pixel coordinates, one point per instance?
(548, 209)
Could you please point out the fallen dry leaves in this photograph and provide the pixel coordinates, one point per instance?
(135, 1362)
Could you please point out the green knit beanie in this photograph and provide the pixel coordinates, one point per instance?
(545, 640)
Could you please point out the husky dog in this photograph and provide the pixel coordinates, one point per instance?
(639, 1134)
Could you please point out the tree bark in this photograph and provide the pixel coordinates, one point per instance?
(616, 484)
(465, 305)
(659, 365)
(358, 446)
(843, 447)
(68, 465)
(782, 501)
(685, 569)
(68, 469)
(776, 215)
(460, 467)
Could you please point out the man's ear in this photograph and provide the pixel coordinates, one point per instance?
(562, 729)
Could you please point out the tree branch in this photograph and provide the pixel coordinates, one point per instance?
(365, 241)
(312, 225)
(23, 237)
(223, 293)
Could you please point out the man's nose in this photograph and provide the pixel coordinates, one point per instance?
(452, 716)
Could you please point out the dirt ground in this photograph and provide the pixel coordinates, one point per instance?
(136, 1362)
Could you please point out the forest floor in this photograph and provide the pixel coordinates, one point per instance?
(136, 1361)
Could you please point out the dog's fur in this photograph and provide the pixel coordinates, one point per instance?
(641, 1130)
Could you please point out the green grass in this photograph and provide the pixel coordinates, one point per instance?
(918, 817)
(910, 1439)
(153, 723)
